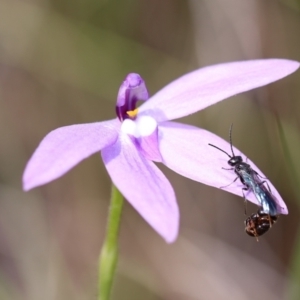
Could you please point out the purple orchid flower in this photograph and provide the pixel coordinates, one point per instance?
(140, 136)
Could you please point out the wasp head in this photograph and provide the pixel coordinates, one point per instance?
(233, 161)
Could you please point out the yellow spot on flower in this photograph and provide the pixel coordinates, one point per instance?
(132, 113)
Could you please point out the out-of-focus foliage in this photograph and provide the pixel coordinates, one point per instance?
(61, 63)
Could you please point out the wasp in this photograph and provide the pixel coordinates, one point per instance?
(258, 223)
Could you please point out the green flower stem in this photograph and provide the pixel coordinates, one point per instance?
(109, 253)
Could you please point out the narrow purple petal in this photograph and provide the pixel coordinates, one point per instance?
(65, 147)
(185, 150)
(204, 87)
(144, 186)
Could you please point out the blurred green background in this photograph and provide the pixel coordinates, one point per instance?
(61, 63)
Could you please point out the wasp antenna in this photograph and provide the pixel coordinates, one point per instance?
(220, 150)
(230, 138)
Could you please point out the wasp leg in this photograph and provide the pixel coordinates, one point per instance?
(245, 206)
(228, 169)
(268, 187)
(263, 181)
(260, 175)
(222, 187)
(266, 182)
(245, 200)
(270, 221)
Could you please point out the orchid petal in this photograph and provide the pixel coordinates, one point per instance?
(185, 150)
(149, 147)
(204, 87)
(143, 131)
(144, 186)
(65, 147)
(142, 126)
